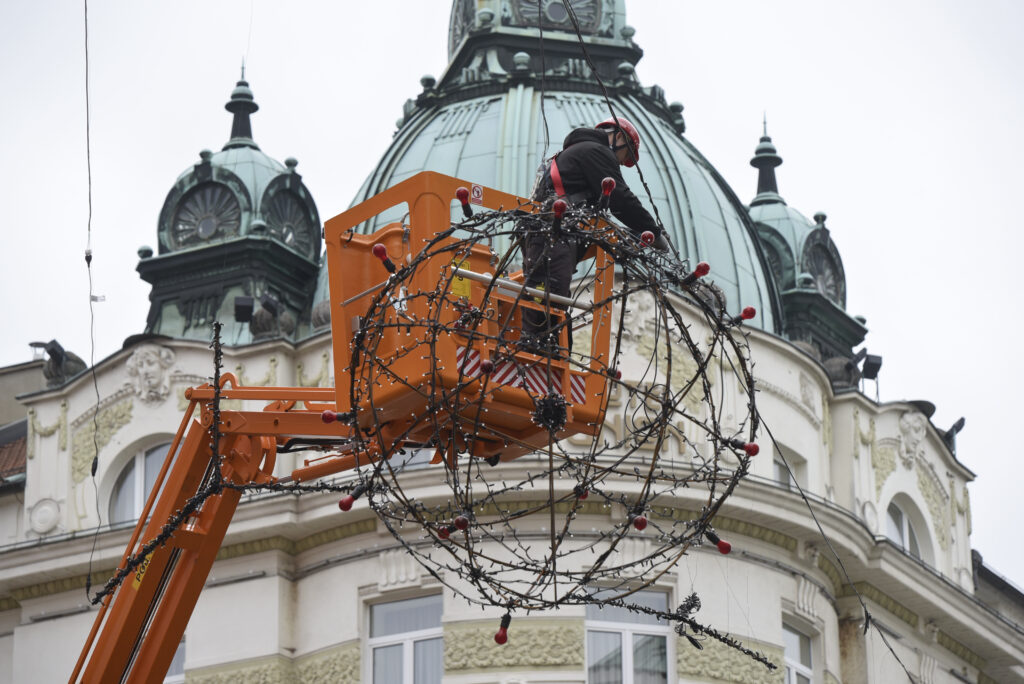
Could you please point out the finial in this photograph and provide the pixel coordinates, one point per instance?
(241, 105)
(243, 69)
(765, 160)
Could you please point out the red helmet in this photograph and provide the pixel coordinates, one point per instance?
(629, 129)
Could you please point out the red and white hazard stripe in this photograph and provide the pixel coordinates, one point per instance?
(577, 389)
(468, 364)
(534, 377)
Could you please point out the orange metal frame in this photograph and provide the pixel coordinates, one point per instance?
(139, 625)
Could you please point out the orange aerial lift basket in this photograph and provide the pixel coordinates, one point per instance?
(442, 334)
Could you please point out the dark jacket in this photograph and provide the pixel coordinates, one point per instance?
(586, 160)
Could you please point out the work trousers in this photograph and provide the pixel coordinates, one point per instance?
(548, 264)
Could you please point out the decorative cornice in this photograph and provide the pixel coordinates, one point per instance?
(884, 600)
(59, 586)
(764, 534)
(826, 566)
(551, 644)
(295, 547)
(960, 651)
(8, 603)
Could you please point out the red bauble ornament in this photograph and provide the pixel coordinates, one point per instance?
(346, 503)
(640, 522)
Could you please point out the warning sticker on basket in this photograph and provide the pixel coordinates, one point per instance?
(460, 286)
(476, 195)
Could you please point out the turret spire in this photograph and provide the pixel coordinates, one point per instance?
(241, 105)
(765, 160)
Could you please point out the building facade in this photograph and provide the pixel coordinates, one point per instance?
(302, 593)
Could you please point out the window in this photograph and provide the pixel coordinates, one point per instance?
(135, 482)
(406, 646)
(899, 529)
(797, 647)
(176, 672)
(624, 647)
(782, 475)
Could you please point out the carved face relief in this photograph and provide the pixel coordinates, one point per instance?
(149, 367)
(912, 430)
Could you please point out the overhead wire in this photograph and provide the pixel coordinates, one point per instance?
(94, 466)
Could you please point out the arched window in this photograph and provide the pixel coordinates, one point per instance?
(135, 482)
(899, 529)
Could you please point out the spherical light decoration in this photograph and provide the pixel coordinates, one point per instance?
(495, 446)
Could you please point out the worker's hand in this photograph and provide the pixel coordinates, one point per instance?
(661, 242)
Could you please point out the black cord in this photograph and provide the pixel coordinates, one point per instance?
(608, 101)
(543, 115)
(92, 313)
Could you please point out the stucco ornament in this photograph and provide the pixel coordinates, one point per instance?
(96, 434)
(37, 428)
(938, 504)
(718, 663)
(149, 369)
(912, 431)
(44, 516)
(532, 644)
(960, 506)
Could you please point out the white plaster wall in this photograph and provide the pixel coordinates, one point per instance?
(46, 651)
(236, 621)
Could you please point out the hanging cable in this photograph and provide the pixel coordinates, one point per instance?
(608, 101)
(543, 114)
(92, 313)
(828, 542)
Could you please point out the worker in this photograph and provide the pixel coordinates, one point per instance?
(588, 156)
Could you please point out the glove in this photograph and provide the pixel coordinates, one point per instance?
(661, 242)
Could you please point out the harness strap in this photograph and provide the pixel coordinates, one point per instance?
(556, 178)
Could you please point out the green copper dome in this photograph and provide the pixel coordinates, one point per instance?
(483, 121)
(236, 228)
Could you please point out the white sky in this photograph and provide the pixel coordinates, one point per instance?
(900, 120)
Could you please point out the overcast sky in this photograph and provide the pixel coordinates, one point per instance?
(900, 120)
